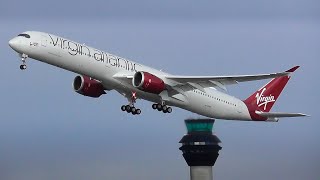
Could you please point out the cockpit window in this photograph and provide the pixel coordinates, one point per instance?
(25, 35)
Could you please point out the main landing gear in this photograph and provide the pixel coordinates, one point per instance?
(23, 66)
(163, 108)
(130, 107)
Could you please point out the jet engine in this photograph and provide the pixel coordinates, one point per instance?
(148, 82)
(87, 86)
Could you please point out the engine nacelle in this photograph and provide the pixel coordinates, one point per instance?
(148, 82)
(87, 86)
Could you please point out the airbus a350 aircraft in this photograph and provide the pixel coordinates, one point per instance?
(101, 71)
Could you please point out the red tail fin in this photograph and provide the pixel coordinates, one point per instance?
(265, 97)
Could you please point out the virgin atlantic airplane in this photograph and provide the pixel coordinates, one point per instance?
(101, 72)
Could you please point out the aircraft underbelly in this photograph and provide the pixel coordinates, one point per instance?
(227, 108)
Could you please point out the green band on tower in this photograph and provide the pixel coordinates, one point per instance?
(200, 125)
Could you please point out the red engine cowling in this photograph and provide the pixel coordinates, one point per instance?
(87, 86)
(148, 82)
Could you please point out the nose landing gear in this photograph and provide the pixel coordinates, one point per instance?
(23, 66)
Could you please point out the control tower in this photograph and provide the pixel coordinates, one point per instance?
(200, 148)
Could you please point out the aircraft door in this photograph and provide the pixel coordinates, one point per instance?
(43, 41)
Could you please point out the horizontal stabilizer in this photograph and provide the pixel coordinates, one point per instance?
(279, 114)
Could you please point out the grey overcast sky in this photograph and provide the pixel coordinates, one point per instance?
(166, 9)
(47, 131)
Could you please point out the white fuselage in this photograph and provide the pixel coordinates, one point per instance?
(82, 59)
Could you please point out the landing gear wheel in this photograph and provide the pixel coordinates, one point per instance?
(138, 111)
(169, 110)
(159, 107)
(128, 108)
(23, 66)
(154, 106)
(164, 109)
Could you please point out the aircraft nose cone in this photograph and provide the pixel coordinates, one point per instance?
(13, 43)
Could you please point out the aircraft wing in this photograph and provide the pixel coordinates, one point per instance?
(200, 82)
(186, 83)
(224, 79)
(124, 78)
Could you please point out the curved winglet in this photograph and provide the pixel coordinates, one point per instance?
(293, 69)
